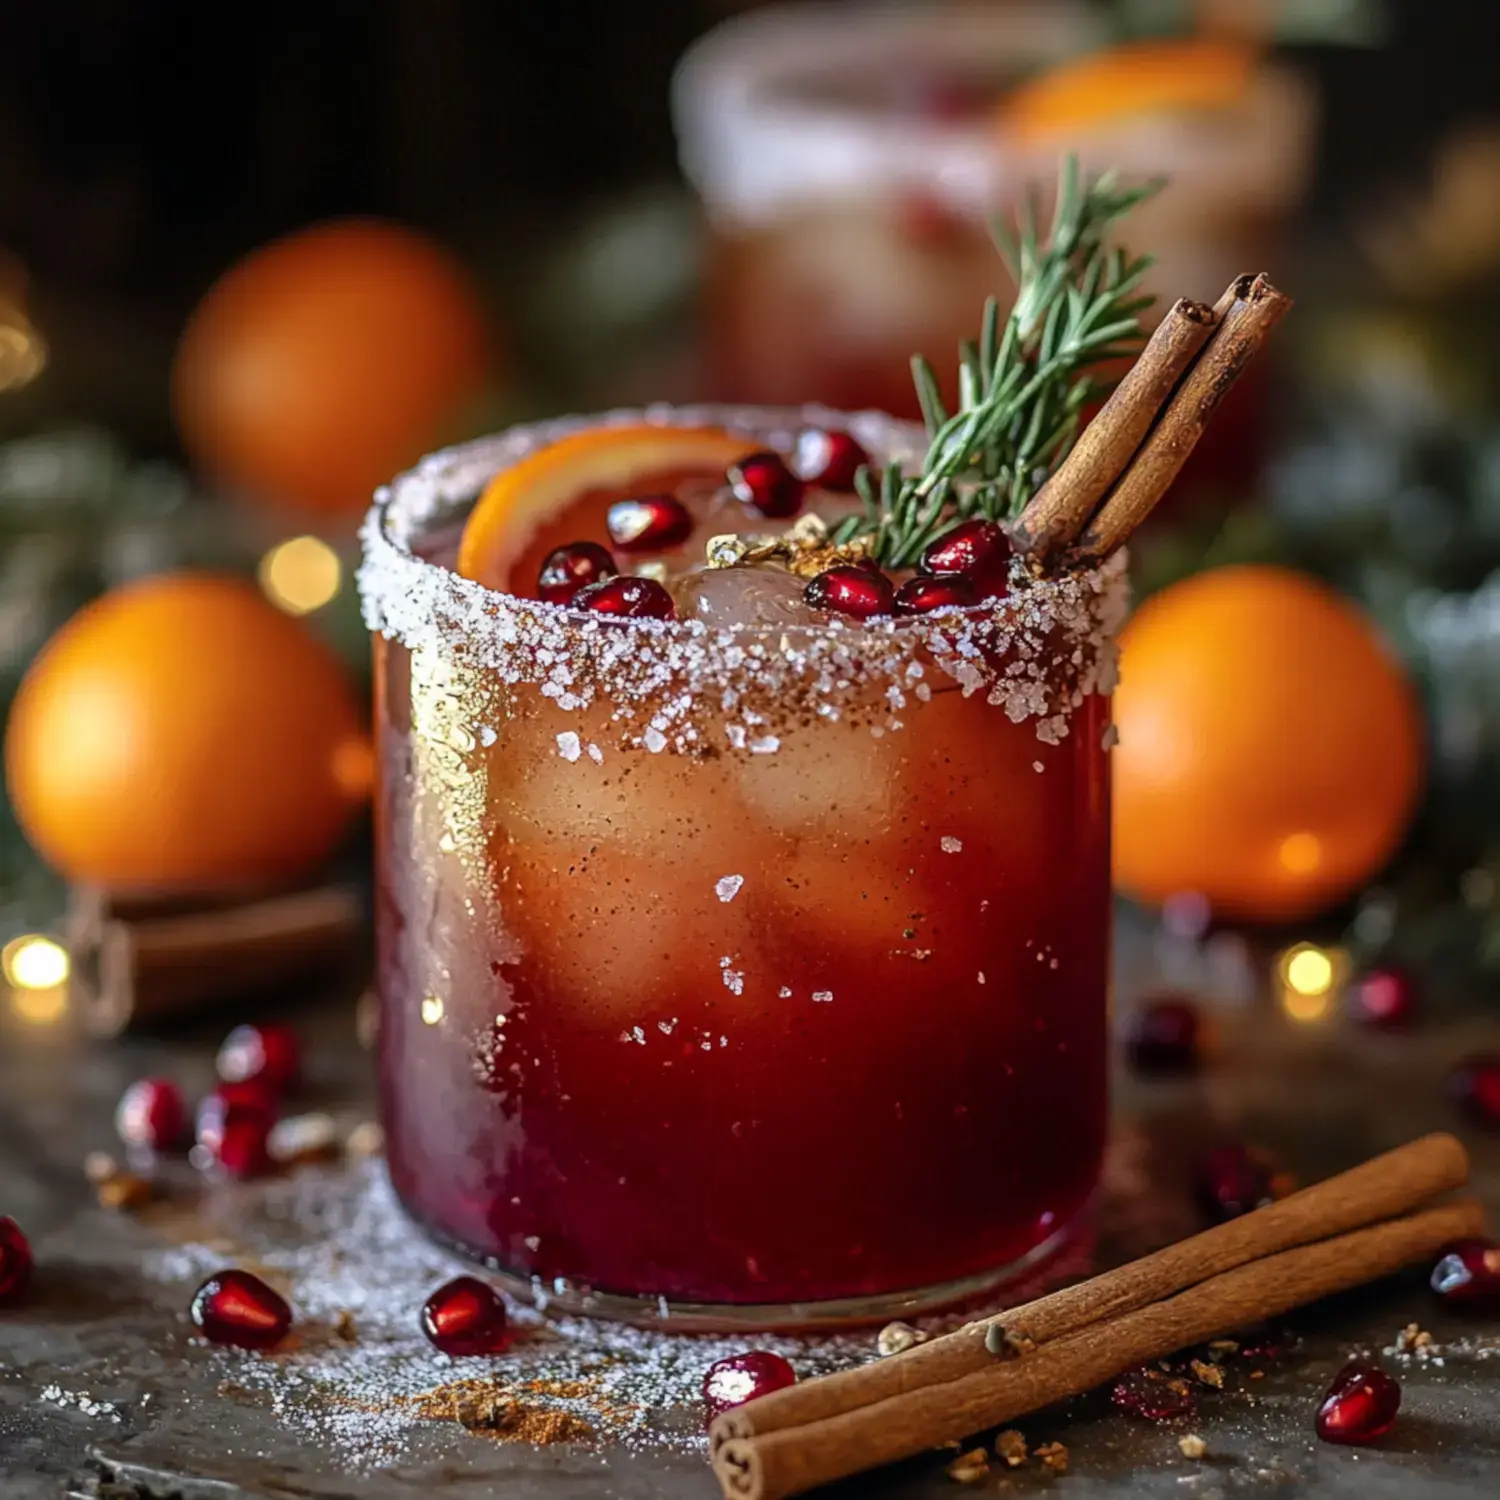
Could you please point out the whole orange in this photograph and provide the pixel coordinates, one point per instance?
(1271, 748)
(180, 734)
(323, 363)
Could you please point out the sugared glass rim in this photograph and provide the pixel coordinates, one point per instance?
(671, 677)
(753, 147)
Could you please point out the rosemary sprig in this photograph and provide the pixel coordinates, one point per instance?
(1022, 385)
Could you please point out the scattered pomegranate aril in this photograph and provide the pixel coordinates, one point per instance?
(829, 460)
(568, 569)
(920, 596)
(233, 1130)
(466, 1316)
(1232, 1180)
(1360, 1406)
(267, 1054)
(1468, 1274)
(1267, 1341)
(1152, 1396)
(151, 1115)
(850, 589)
(978, 550)
(1474, 1085)
(15, 1261)
(764, 481)
(633, 598)
(1164, 1035)
(1385, 997)
(651, 523)
(234, 1307)
(742, 1377)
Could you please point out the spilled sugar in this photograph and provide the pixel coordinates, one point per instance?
(357, 1375)
(1035, 654)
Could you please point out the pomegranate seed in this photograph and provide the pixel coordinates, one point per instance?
(1361, 1405)
(1232, 1180)
(1267, 1341)
(919, 596)
(1151, 1396)
(764, 481)
(571, 568)
(15, 1261)
(234, 1307)
(1164, 1035)
(1474, 1085)
(976, 549)
(743, 1377)
(151, 1115)
(265, 1053)
(852, 589)
(637, 598)
(1384, 997)
(1468, 1275)
(829, 460)
(233, 1130)
(465, 1316)
(651, 523)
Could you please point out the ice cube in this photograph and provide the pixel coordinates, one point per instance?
(824, 778)
(759, 595)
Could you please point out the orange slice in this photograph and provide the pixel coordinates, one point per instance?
(510, 519)
(1136, 78)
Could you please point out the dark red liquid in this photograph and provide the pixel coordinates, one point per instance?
(594, 1067)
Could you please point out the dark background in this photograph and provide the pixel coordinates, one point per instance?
(145, 146)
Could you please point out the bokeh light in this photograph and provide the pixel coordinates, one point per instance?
(1310, 978)
(301, 574)
(34, 962)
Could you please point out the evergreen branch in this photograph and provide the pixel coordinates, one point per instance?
(1023, 383)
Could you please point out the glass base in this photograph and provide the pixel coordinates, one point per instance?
(1022, 1278)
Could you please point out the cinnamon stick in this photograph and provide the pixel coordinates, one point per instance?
(136, 961)
(1061, 508)
(1380, 1188)
(796, 1459)
(1256, 307)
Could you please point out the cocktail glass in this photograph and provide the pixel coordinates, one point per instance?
(737, 974)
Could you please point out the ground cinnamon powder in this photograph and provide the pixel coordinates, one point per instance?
(495, 1409)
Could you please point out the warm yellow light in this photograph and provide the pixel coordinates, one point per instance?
(22, 355)
(432, 1009)
(34, 962)
(1306, 1008)
(1300, 853)
(300, 575)
(39, 1007)
(1308, 970)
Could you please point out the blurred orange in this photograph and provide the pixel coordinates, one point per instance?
(1134, 78)
(1271, 749)
(181, 734)
(323, 363)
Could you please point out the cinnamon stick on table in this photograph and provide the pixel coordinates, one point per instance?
(140, 961)
(1128, 456)
(1380, 1188)
(796, 1459)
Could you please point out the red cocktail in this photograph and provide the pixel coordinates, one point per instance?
(749, 963)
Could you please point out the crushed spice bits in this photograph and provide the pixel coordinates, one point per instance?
(1192, 1445)
(1053, 1456)
(495, 1410)
(1207, 1373)
(1010, 1448)
(970, 1467)
(897, 1337)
